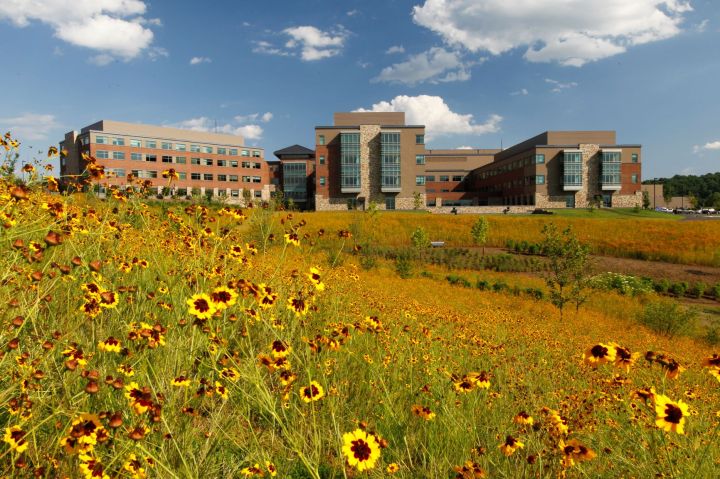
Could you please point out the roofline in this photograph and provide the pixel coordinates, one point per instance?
(348, 127)
(184, 140)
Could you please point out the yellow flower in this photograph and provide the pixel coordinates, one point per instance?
(423, 412)
(670, 414)
(292, 238)
(361, 449)
(223, 297)
(574, 452)
(181, 381)
(110, 345)
(523, 418)
(600, 354)
(510, 446)
(392, 468)
(15, 436)
(315, 278)
(201, 306)
(314, 392)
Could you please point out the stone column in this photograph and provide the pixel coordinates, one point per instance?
(369, 161)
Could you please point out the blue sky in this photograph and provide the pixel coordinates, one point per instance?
(476, 72)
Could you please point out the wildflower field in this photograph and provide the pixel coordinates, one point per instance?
(186, 340)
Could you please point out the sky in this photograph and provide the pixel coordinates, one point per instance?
(477, 73)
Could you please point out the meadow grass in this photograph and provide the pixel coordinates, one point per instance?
(116, 365)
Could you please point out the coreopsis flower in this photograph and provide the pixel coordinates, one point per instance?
(392, 468)
(85, 432)
(252, 471)
(670, 414)
(223, 297)
(715, 372)
(313, 392)
(574, 452)
(126, 370)
(600, 354)
(298, 305)
(523, 418)
(624, 358)
(170, 174)
(271, 469)
(292, 239)
(712, 362)
(469, 470)
(510, 446)
(423, 412)
(110, 345)
(134, 467)
(181, 382)
(15, 436)
(280, 349)
(91, 468)
(316, 279)
(360, 449)
(201, 306)
(231, 374)
(221, 390)
(481, 379)
(557, 422)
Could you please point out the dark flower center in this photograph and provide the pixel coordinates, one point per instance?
(361, 450)
(673, 414)
(201, 305)
(599, 351)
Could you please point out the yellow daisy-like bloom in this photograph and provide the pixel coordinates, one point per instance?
(223, 297)
(271, 469)
(231, 374)
(600, 354)
(251, 471)
(523, 418)
(624, 358)
(392, 468)
(315, 279)
(574, 452)
(715, 372)
(181, 382)
(670, 414)
(221, 390)
(292, 238)
(15, 436)
(298, 305)
(510, 446)
(314, 392)
(280, 349)
(361, 449)
(481, 379)
(423, 412)
(201, 306)
(110, 345)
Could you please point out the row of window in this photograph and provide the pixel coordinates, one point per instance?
(166, 145)
(180, 160)
(419, 139)
(445, 178)
(182, 175)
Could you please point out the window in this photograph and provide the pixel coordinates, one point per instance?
(352, 203)
(233, 151)
(195, 148)
(84, 140)
(207, 149)
(321, 139)
(151, 174)
(294, 177)
(102, 154)
(419, 160)
(235, 193)
(118, 172)
(257, 194)
(135, 173)
(182, 175)
(150, 144)
(572, 170)
(431, 190)
(246, 164)
(634, 157)
(194, 176)
(101, 140)
(420, 180)
(118, 155)
(135, 143)
(457, 178)
(389, 202)
(166, 159)
(256, 154)
(166, 146)
(222, 151)
(222, 163)
(136, 156)
(233, 163)
(150, 157)
(540, 180)
(634, 178)
(419, 139)
(350, 162)
(322, 159)
(246, 179)
(540, 158)
(207, 176)
(222, 177)
(234, 178)
(430, 178)
(444, 178)
(180, 160)
(389, 161)
(256, 166)
(256, 179)
(245, 153)
(208, 162)
(610, 172)
(322, 181)
(180, 147)
(194, 161)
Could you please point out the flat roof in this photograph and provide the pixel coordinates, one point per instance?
(165, 132)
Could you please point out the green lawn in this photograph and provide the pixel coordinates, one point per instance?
(619, 213)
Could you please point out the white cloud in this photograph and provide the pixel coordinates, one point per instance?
(199, 60)
(570, 33)
(29, 126)
(435, 65)
(268, 48)
(111, 27)
(352, 13)
(712, 145)
(395, 49)
(203, 123)
(522, 91)
(464, 148)
(101, 59)
(558, 87)
(314, 44)
(265, 117)
(435, 114)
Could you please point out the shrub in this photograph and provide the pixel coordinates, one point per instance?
(458, 280)
(482, 285)
(712, 336)
(699, 289)
(679, 288)
(403, 266)
(668, 318)
(500, 286)
(368, 262)
(622, 283)
(716, 291)
(662, 286)
(420, 238)
(535, 293)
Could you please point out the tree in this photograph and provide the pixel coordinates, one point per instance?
(417, 201)
(568, 266)
(479, 232)
(646, 200)
(420, 238)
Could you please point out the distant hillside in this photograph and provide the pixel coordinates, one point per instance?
(705, 188)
